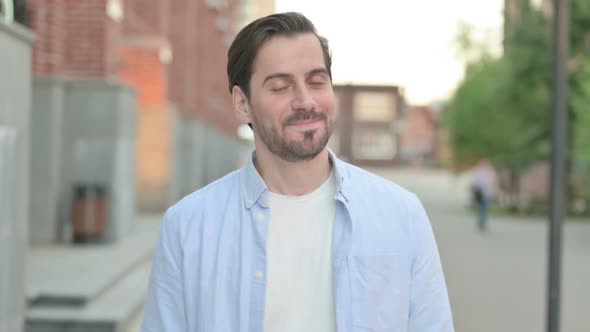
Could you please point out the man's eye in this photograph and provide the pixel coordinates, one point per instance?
(317, 84)
(279, 89)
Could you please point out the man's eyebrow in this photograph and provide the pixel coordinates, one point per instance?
(277, 75)
(317, 71)
(309, 74)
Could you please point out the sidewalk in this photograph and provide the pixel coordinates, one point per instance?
(100, 287)
(497, 281)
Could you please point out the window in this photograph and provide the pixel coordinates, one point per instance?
(373, 144)
(374, 106)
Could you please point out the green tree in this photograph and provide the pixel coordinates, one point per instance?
(502, 108)
(497, 114)
(579, 101)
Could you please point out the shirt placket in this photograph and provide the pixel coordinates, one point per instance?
(341, 246)
(259, 216)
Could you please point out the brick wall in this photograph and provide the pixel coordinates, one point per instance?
(48, 20)
(85, 38)
(74, 38)
(147, 17)
(181, 34)
(214, 99)
(141, 67)
(198, 81)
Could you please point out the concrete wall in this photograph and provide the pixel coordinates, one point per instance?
(98, 147)
(188, 172)
(46, 136)
(202, 154)
(83, 133)
(15, 104)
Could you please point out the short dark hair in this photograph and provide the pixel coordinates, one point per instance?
(243, 50)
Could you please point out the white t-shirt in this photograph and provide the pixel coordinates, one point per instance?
(299, 292)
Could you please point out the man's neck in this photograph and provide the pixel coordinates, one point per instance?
(292, 178)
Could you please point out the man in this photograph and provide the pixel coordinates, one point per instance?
(482, 186)
(296, 240)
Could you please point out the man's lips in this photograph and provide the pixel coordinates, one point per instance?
(305, 124)
(302, 122)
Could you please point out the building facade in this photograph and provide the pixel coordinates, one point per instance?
(159, 68)
(370, 123)
(174, 53)
(419, 135)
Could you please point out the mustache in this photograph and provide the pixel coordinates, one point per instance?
(298, 116)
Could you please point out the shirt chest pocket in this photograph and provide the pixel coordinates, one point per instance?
(379, 292)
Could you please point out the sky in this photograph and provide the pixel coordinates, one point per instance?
(409, 43)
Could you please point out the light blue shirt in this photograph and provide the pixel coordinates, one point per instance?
(209, 269)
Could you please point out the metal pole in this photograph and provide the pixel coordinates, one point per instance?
(558, 158)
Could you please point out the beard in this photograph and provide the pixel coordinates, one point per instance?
(295, 150)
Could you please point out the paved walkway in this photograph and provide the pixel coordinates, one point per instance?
(497, 281)
(88, 287)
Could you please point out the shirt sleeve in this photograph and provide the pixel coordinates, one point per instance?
(164, 309)
(429, 301)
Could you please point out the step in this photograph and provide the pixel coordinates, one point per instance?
(74, 275)
(115, 310)
(135, 322)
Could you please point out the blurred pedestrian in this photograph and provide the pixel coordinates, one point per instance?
(483, 191)
(296, 240)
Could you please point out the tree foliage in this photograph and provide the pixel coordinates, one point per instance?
(501, 110)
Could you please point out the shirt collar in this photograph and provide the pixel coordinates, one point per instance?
(340, 174)
(254, 187)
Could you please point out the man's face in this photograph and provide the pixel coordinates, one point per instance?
(291, 97)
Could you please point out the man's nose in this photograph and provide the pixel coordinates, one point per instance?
(303, 100)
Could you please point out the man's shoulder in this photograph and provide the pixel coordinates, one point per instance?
(214, 193)
(386, 212)
(371, 184)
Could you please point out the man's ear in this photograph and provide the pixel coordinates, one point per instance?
(241, 105)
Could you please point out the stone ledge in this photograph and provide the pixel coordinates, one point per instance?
(75, 275)
(111, 312)
(18, 31)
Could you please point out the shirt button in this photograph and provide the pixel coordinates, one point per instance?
(259, 275)
(260, 216)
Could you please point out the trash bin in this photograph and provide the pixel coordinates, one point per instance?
(89, 213)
